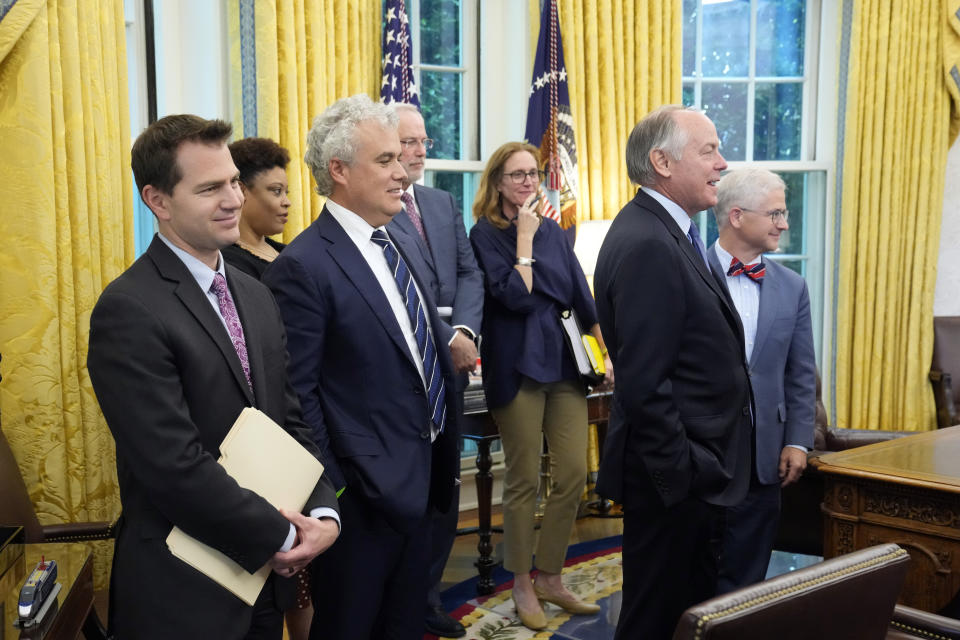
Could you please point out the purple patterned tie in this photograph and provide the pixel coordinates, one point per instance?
(229, 312)
(414, 215)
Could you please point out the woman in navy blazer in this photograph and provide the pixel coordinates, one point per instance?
(530, 379)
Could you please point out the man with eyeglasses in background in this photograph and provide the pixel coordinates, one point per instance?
(774, 308)
(444, 260)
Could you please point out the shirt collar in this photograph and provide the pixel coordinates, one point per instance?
(726, 257)
(355, 226)
(201, 273)
(676, 211)
(723, 256)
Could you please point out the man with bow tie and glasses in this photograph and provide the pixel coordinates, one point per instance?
(774, 308)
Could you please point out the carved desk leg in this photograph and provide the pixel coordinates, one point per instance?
(484, 477)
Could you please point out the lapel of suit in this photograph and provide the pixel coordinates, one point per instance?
(252, 334)
(686, 247)
(688, 250)
(719, 273)
(198, 305)
(767, 313)
(429, 226)
(345, 253)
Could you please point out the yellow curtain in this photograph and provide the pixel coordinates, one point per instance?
(623, 59)
(290, 59)
(896, 127)
(65, 216)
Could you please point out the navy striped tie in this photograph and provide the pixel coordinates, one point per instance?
(436, 390)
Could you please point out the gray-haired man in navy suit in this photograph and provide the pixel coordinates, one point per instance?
(774, 309)
(444, 260)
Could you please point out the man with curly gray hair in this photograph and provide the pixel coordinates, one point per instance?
(375, 388)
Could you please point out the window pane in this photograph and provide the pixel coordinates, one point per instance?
(792, 240)
(689, 37)
(726, 104)
(777, 120)
(440, 103)
(780, 33)
(463, 187)
(712, 232)
(726, 38)
(689, 98)
(440, 32)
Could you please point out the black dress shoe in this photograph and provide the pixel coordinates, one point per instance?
(440, 624)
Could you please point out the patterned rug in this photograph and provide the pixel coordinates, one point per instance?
(592, 572)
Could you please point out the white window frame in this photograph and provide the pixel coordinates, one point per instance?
(469, 70)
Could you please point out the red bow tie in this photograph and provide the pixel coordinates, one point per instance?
(755, 271)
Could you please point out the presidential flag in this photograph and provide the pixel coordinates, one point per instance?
(396, 82)
(549, 122)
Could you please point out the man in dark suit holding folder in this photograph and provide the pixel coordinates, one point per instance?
(180, 344)
(375, 381)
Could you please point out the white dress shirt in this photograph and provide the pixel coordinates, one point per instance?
(745, 292)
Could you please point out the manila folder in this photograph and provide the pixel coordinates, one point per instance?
(267, 460)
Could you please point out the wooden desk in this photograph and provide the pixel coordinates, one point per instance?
(478, 425)
(905, 491)
(74, 602)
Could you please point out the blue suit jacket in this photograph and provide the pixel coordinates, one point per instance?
(782, 366)
(360, 389)
(447, 266)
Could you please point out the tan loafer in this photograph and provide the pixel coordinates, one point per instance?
(570, 604)
(534, 620)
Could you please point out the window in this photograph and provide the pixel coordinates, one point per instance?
(444, 39)
(744, 64)
(751, 66)
(144, 222)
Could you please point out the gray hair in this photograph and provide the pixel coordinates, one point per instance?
(400, 107)
(744, 188)
(332, 135)
(657, 130)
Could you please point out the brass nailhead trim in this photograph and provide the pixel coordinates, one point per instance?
(702, 620)
(921, 632)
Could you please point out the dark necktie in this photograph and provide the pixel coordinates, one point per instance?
(436, 390)
(414, 215)
(694, 235)
(229, 312)
(754, 271)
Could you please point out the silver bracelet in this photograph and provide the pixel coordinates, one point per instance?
(525, 262)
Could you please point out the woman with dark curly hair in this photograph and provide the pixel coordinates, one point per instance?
(263, 180)
(530, 379)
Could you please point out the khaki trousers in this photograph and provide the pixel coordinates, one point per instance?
(558, 411)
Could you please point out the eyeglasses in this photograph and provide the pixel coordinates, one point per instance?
(519, 177)
(412, 142)
(775, 215)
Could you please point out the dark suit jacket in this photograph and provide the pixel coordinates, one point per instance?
(170, 386)
(360, 389)
(680, 422)
(447, 267)
(783, 366)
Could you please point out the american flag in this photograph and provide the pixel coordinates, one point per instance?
(549, 121)
(396, 83)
